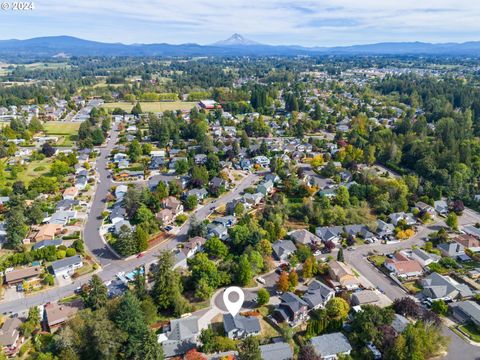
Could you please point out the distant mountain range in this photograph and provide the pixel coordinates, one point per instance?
(236, 45)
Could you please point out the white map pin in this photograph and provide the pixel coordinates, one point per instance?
(233, 307)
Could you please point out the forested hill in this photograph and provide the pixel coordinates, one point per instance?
(71, 46)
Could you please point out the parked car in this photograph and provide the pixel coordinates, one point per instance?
(261, 280)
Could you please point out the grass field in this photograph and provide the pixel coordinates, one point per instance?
(61, 128)
(158, 106)
(35, 169)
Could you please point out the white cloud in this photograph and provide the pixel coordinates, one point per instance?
(306, 22)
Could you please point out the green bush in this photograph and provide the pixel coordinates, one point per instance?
(39, 168)
(61, 254)
(49, 280)
(71, 252)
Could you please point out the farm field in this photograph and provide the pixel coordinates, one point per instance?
(158, 106)
(61, 128)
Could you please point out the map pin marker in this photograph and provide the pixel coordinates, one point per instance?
(233, 307)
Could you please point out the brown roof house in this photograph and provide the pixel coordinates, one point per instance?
(10, 338)
(57, 314)
(403, 267)
(468, 241)
(18, 276)
(48, 232)
(342, 275)
(173, 204)
(165, 216)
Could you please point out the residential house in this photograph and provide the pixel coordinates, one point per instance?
(180, 336)
(216, 184)
(217, 230)
(117, 227)
(468, 241)
(330, 233)
(291, 309)
(441, 207)
(253, 199)
(81, 183)
(265, 187)
(342, 275)
(425, 208)
(261, 160)
(120, 192)
(331, 346)
(190, 248)
(66, 204)
(173, 204)
(24, 274)
(45, 243)
(408, 218)
(56, 314)
(70, 193)
(399, 323)
(466, 311)
(67, 266)
(403, 267)
(117, 214)
(227, 221)
(384, 230)
(10, 337)
(240, 327)
(364, 297)
(165, 216)
(424, 258)
(440, 287)
(282, 249)
(276, 351)
(61, 217)
(318, 294)
(451, 249)
(200, 159)
(304, 237)
(199, 193)
(471, 230)
(47, 232)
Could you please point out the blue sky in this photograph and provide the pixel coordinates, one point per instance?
(302, 22)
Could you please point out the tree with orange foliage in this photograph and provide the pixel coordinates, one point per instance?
(193, 354)
(283, 283)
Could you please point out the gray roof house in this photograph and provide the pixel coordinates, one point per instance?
(282, 249)
(265, 187)
(318, 294)
(436, 287)
(409, 219)
(364, 297)
(452, 249)
(471, 230)
(304, 237)
(45, 243)
(466, 311)
(384, 229)
(180, 336)
(217, 230)
(291, 309)
(239, 327)
(276, 351)
(329, 346)
(67, 265)
(199, 193)
(399, 323)
(424, 258)
(117, 214)
(441, 207)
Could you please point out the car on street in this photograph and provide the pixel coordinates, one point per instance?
(140, 255)
(261, 280)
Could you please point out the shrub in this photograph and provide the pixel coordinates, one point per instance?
(61, 254)
(49, 280)
(71, 252)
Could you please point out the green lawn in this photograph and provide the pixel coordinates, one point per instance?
(61, 128)
(412, 286)
(378, 260)
(158, 106)
(34, 169)
(472, 330)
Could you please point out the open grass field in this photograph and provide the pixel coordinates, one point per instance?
(158, 106)
(61, 128)
(35, 169)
